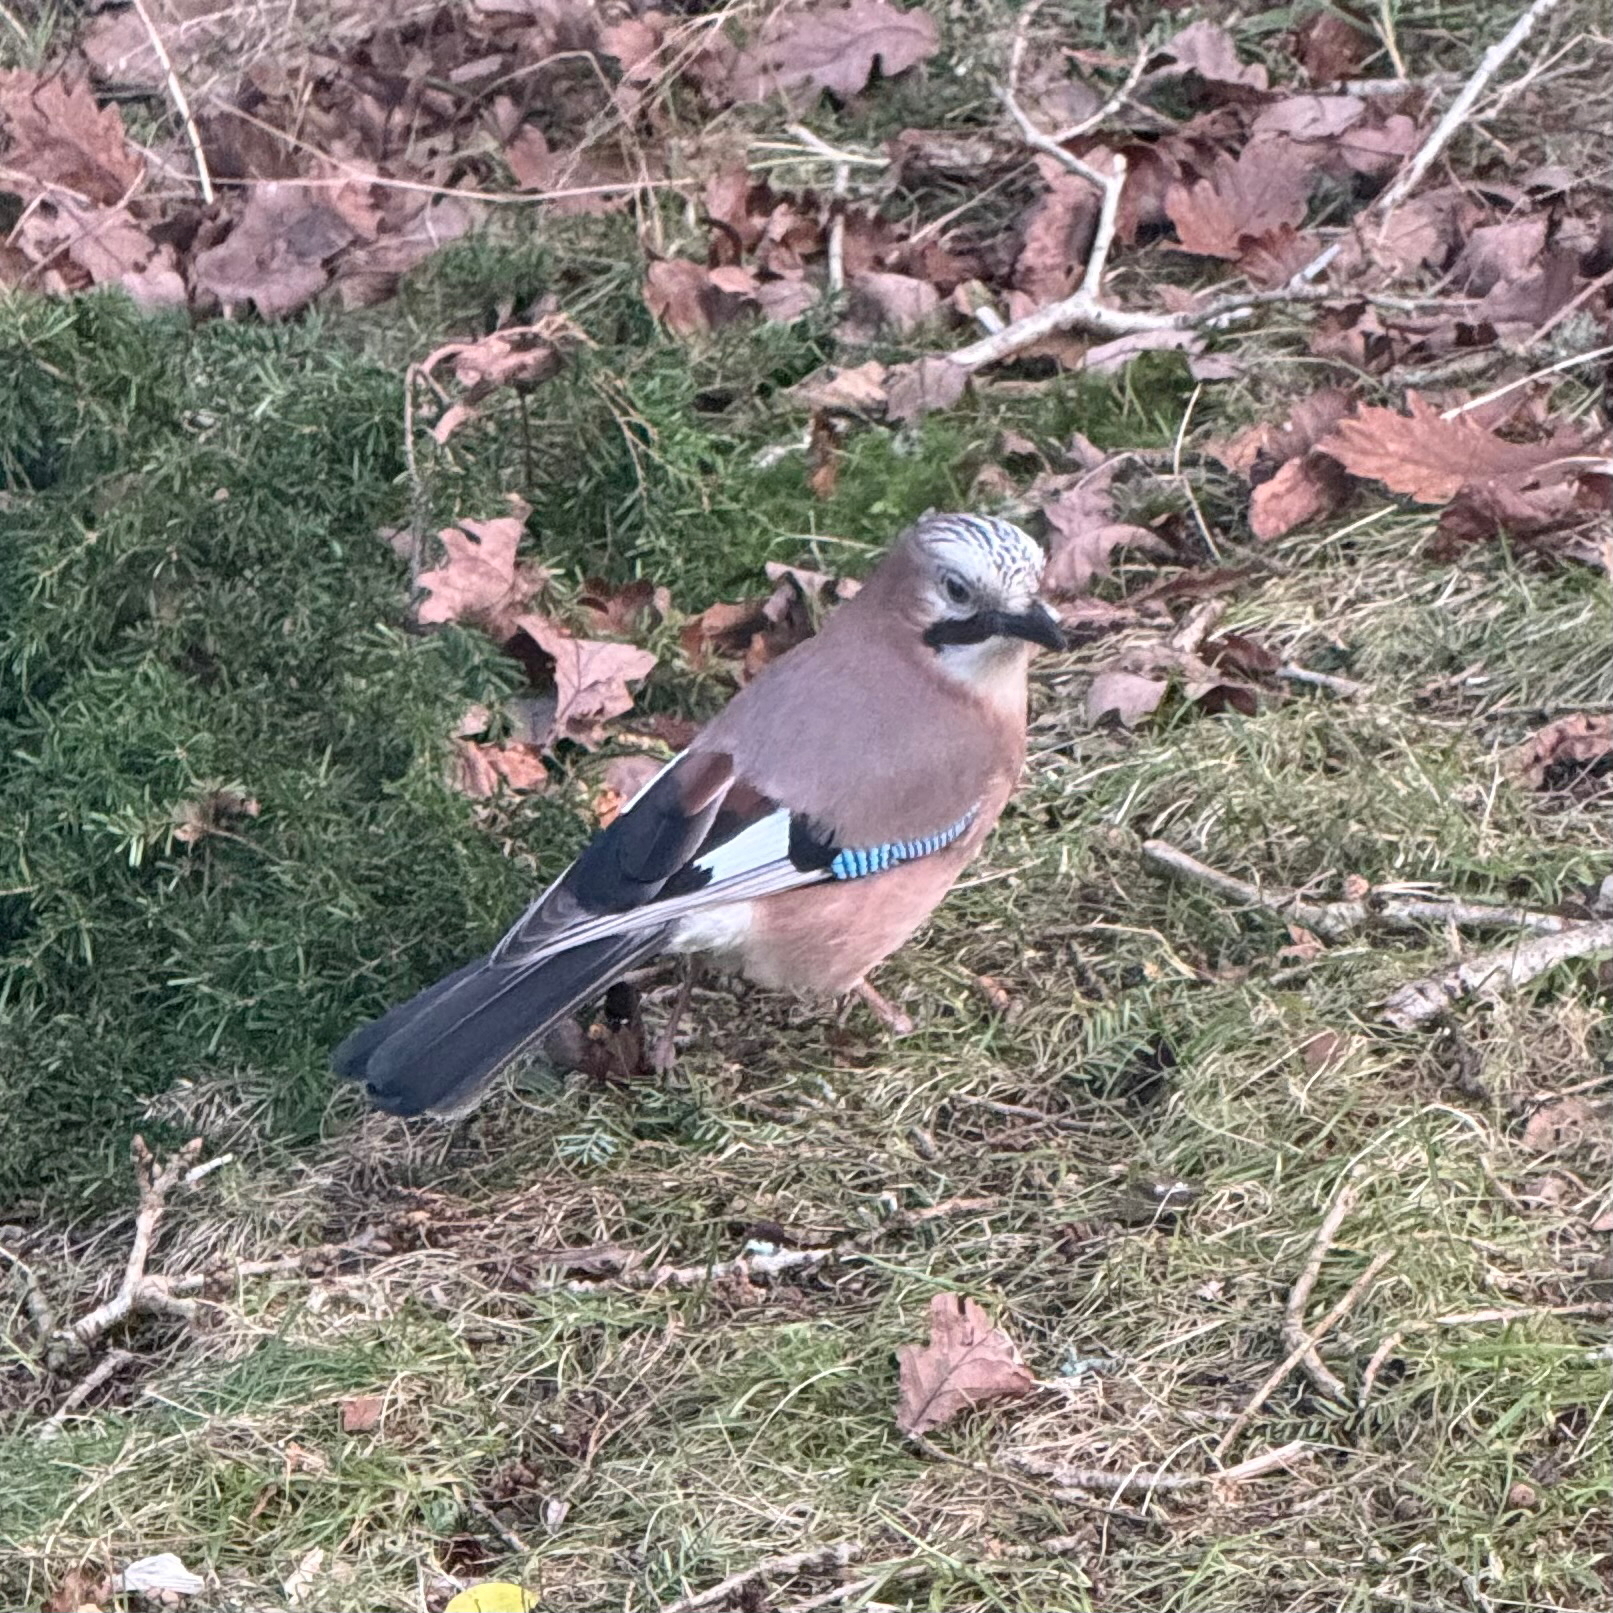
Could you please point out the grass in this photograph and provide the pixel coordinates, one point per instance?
(193, 601)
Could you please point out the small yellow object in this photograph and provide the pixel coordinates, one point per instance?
(493, 1596)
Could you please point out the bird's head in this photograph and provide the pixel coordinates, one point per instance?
(971, 584)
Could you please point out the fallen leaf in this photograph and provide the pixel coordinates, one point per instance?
(1300, 491)
(892, 304)
(1330, 47)
(591, 678)
(1240, 201)
(624, 777)
(1565, 750)
(1126, 696)
(967, 1362)
(625, 610)
(1499, 252)
(361, 1414)
(927, 384)
(300, 1582)
(804, 49)
(481, 582)
(1564, 1123)
(1429, 458)
(82, 1590)
(56, 135)
(687, 297)
(210, 814)
(1207, 49)
(1308, 117)
(520, 357)
(850, 389)
(1321, 1051)
(1302, 945)
(1529, 508)
(278, 255)
(1056, 235)
(1107, 357)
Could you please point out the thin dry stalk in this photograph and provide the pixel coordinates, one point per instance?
(1501, 1313)
(1294, 1333)
(1303, 1350)
(176, 93)
(1489, 65)
(797, 1562)
(1108, 1482)
(1335, 920)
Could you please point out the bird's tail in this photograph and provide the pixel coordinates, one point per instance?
(438, 1052)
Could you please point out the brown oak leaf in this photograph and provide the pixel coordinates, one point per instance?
(361, 1413)
(1300, 491)
(1242, 200)
(54, 134)
(688, 297)
(1429, 458)
(481, 582)
(1206, 48)
(481, 770)
(591, 678)
(967, 1362)
(805, 49)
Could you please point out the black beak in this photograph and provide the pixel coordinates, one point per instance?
(1038, 625)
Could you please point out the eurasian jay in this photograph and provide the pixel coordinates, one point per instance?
(802, 837)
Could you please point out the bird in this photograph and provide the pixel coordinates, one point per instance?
(802, 836)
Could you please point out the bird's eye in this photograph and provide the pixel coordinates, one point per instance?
(957, 589)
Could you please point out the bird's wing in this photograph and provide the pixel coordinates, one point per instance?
(695, 837)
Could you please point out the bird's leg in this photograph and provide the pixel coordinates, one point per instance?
(885, 1011)
(664, 1050)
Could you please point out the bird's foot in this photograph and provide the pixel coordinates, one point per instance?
(884, 1010)
(664, 1049)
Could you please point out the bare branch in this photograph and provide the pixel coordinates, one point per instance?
(1489, 65)
(1504, 969)
(112, 1362)
(1334, 920)
(797, 1562)
(176, 93)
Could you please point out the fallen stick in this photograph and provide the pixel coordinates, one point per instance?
(1303, 1350)
(1299, 1295)
(797, 1562)
(113, 1361)
(1334, 920)
(1108, 1482)
(1505, 969)
(1489, 65)
(176, 93)
(138, 1292)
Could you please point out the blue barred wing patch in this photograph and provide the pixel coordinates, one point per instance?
(857, 862)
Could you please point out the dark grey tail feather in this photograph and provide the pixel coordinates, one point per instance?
(438, 1052)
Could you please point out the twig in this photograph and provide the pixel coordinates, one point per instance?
(499, 1528)
(1572, 362)
(1501, 1313)
(1344, 688)
(138, 1292)
(1489, 65)
(1117, 100)
(1578, 301)
(1334, 920)
(1109, 1482)
(33, 1296)
(797, 1562)
(1109, 187)
(760, 1265)
(113, 1361)
(836, 1593)
(1304, 1350)
(1504, 969)
(176, 92)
